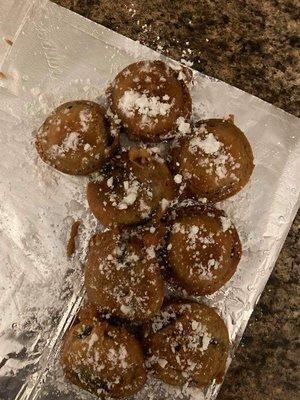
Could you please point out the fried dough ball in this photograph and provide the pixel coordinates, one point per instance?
(122, 277)
(216, 161)
(103, 359)
(187, 343)
(202, 248)
(150, 99)
(77, 138)
(133, 187)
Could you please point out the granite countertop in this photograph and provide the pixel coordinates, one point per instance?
(251, 44)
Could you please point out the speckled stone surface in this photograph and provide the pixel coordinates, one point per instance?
(251, 44)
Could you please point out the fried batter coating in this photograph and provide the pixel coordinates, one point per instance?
(122, 277)
(216, 161)
(77, 138)
(103, 359)
(202, 248)
(150, 98)
(132, 188)
(187, 343)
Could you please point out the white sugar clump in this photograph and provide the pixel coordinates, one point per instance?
(226, 223)
(110, 182)
(183, 126)
(125, 309)
(178, 178)
(177, 227)
(145, 105)
(199, 331)
(122, 356)
(209, 145)
(220, 156)
(181, 76)
(162, 362)
(131, 190)
(85, 118)
(164, 204)
(221, 169)
(193, 234)
(71, 142)
(87, 147)
(150, 252)
(92, 340)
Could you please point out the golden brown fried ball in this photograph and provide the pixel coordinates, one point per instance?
(77, 138)
(132, 188)
(150, 99)
(202, 248)
(216, 161)
(103, 359)
(122, 277)
(187, 343)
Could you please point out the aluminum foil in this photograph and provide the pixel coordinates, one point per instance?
(58, 56)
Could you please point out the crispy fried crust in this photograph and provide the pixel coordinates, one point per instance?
(131, 190)
(77, 138)
(122, 277)
(187, 343)
(202, 248)
(155, 80)
(103, 359)
(215, 175)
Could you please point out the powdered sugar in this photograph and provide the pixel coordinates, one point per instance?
(183, 126)
(226, 223)
(110, 182)
(70, 143)
(209, 145)
(164, 204)
(131, 190)
(147, 106)
(85, 117)
(199, 331)
(162, 362)
(92, 339)
(126, 309)
(178, 178)
(150, 251)
(218, 158)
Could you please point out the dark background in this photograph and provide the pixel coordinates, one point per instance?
(252, 45)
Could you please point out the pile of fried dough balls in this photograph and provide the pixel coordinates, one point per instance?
(156, 199)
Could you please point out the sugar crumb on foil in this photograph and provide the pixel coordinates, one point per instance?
(183, 126)
(186, 62)
(226, 223)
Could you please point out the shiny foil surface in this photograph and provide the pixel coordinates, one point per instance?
(58, 56)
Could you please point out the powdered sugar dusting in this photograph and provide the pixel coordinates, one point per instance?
(147, 106)
(217, 158)
(209, 145)
(184, 127)
(131, 191)
(70, 143)
(85, 117)
(226, 223)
